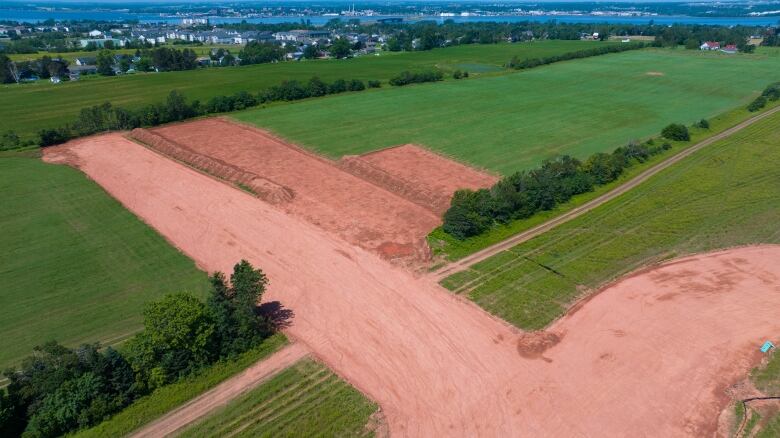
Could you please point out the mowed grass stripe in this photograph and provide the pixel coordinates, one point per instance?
(28, 108)
(306, 399)
(725, 195)
(512, 122)
(76, 266)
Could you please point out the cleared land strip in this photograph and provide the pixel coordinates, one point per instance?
(225, 392)
(439, 366)
(466, 262)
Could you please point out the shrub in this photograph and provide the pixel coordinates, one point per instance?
(9, 140)
(54, 136)
(676, 131)
(703, 124)
(457, 74)
(757, 104)
(374, 84)
(406, 77)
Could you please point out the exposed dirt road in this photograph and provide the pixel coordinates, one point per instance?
(223, 393)
(464, 263)
(650, 355)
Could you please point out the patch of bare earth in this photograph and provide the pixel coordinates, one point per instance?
(650, 355)
(384, 218)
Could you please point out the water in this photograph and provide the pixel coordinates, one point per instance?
(34, 16)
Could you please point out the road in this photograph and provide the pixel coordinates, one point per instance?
(223, 393)
(466, 262)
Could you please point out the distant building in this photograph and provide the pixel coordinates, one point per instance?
(86, 61)
(95, 34)
(731, 48)
(101, 42)
(194, 21)
(710, 45)
(301, 36)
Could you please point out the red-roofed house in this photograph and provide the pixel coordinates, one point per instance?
(710, 45)
(731, 48)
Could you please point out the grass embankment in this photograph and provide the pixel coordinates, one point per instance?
(75, 266)
(27, 108)
(514, 121)
(167, 398)
(306, 399)
(447, 248)
(724, 195)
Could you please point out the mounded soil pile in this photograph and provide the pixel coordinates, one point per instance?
(429, 178)
(356, 210)
(651, 355)
(263, 188)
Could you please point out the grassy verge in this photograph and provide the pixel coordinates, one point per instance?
(724, 195)
(306, 399)
(167, 398)
(767, 380)
(75, 266)
(448, 248)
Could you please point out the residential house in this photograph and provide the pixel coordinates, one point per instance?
(84, 61)
(710, 45)
(730, 48)
(95, 34)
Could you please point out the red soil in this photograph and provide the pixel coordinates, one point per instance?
(339, 202)
(422, 176)
(649, 356)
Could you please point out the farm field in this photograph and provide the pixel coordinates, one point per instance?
(43, 105)
(410, 352)
(724, 195)
(306, 399)
(76, 266)
(514, 121)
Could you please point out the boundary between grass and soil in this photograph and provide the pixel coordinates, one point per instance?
(476, 257)
(223, 393)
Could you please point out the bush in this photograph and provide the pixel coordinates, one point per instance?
(406, 77)
(374, 84)
(50, 137)
(703, 124)
(9, 140)
(457, 74)
(772, 92)
(676, 131)
(757, 104)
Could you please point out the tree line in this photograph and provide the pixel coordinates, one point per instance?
(107, 117)
(407, 77)
(58, 390)
(524, 193)
(520, 64)
(770, 94)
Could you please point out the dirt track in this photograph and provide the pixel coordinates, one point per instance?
(464, 263)
(650, 355)
(223, 393)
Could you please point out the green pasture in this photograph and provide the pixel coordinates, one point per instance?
(514, 121)
(75, 266)
(306, 399)
(448, 248)
(27, 108)
(724, 195)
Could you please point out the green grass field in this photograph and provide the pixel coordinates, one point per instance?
(75, 266)
(306, 399)
(169, 397)
(514, 121)
(767, 380)
(447, 248)
(724, 195)
(28, 108)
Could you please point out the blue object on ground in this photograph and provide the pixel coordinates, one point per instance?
(767, 346)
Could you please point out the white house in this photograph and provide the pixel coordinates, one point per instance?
(710, 45)
(95, 33)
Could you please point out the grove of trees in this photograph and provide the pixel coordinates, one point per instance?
(58, 390)
(524, 193)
